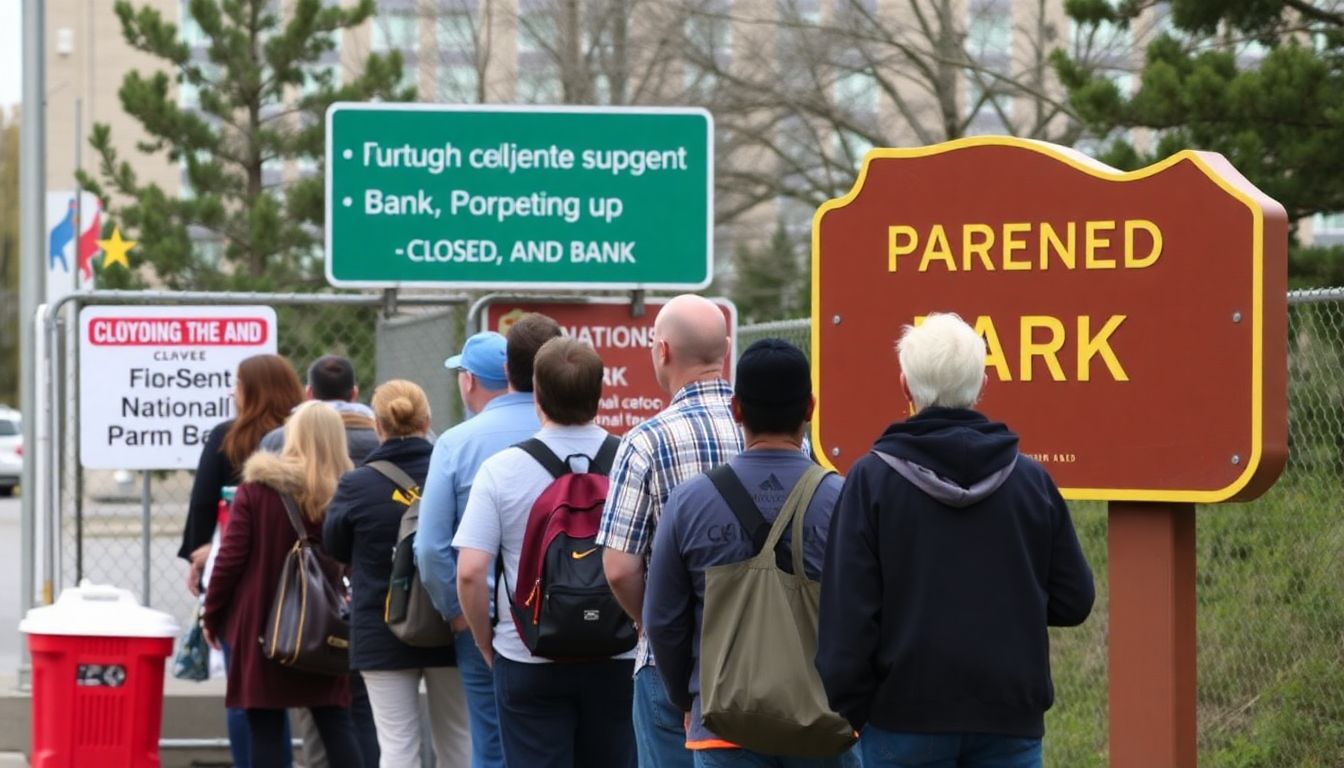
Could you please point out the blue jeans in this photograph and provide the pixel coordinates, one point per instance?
(479, 683)
(745, 758)
(885, 749)
(660, 727)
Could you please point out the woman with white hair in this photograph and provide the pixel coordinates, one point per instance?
(247, 569)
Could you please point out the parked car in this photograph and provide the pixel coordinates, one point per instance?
(11, 450)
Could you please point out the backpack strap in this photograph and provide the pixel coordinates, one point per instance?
(545, 457)
(292, 512)
(396, 475)
(748, 515)
(606, 456)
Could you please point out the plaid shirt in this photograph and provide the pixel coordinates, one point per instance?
(695, 433)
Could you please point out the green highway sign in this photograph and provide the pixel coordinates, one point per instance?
(519, 197)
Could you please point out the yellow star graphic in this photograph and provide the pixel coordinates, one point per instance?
(114, 249)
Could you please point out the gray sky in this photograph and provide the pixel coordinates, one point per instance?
(11, 52)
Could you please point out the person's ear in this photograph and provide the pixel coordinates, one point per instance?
(354, 394)
(308, 392)
(811, 408)
(737, 410)
(905, 387)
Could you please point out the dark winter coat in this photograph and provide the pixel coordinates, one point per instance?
(361, 530)
(941, 576)
(242, 586)
(213, 472)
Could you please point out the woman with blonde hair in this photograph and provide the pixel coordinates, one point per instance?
(265, 391)
(361, 529)
(247, 569)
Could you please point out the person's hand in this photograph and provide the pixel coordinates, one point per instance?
(197, 560)
(194, 578)
(210, 638)
(686, 723)
(458, 624)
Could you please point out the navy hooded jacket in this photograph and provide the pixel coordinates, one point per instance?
(946, 560)
(361, 529)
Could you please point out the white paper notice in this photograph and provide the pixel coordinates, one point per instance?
(153, 381)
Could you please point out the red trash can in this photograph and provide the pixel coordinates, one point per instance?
(98, 663)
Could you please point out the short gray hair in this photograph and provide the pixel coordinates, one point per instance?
(943, 360)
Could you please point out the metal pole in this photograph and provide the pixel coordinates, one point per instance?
(79, 195)
(32, 266)
(56, 467)
(144, 538)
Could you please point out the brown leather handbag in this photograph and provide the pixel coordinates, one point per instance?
(309, 627)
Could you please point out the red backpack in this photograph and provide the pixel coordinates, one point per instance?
(561, 605)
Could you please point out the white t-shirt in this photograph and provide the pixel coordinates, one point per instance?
(495, 520)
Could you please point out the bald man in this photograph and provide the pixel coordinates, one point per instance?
(695, 433)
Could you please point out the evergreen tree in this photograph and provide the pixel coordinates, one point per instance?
(770, 282)
(1261, 81)
(265, 80)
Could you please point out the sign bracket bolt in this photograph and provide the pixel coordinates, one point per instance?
(1236, 317)
(637, 303)
(1236, 459)
(835, 451)
(835, 320)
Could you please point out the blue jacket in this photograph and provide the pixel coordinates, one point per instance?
(508, 419)
(944, 567)
(361, 530)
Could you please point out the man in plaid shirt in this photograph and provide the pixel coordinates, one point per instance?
(695, 433)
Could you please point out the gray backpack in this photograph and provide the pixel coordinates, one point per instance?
(408, 611)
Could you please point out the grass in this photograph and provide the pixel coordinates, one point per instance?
(1270, 596)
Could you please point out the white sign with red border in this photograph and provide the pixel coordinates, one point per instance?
(153, 381)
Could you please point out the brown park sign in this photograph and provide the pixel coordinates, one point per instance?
(1135, 322)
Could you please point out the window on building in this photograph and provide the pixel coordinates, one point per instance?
(188, 30)
(398, 31)
(856, 92)
(456, 83)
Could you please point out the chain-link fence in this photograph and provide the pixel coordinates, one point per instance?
(104, 516)
(1271, 606)
(1270, 590)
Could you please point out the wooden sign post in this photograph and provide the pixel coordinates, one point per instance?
(1135, 326)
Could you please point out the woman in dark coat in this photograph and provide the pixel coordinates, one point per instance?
(247, 568)
(361, 529)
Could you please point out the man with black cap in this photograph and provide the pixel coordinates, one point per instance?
(773, 402)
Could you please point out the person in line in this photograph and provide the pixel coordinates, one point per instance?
(695, 433)
(242, 587)
(361, 529)
(698, 530)
(265, 391)
(494, 377)
(551, 715)
(331, 380)
(949, 554)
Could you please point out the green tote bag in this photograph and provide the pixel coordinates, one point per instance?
(759, 686)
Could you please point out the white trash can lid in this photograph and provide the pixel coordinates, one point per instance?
(98, 610)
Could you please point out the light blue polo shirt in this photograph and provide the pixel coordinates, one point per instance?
(507, 420)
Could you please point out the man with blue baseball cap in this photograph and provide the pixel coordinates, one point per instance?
(480, 370)
(494, 376)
